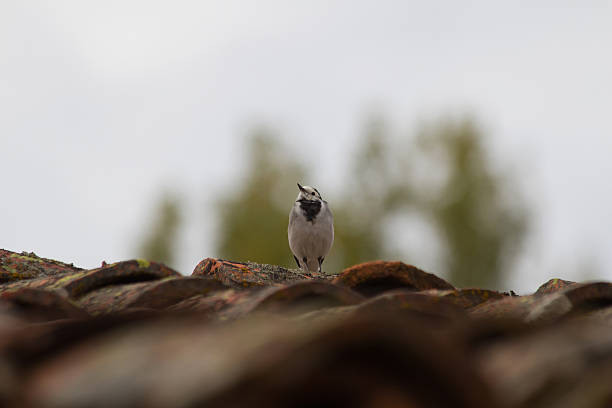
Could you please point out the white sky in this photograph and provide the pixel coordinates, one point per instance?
(103, 103)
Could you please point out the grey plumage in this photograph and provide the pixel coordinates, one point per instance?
(311, 229)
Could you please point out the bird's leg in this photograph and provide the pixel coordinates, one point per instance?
(320, 259)
(297, 261)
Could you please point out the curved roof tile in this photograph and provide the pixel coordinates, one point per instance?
(137, 333)
(42, 305)
(466, 298)
(371, 278)
(158, 294)
(249, 274)
(553, 285)
(28, 265)
(114, 274)
(307, 295)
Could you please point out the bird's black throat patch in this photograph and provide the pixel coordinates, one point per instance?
(310, 209)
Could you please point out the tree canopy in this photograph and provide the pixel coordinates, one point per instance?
(443, 175)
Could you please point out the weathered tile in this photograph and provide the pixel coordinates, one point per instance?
(157, 294)
(249, 274)
(358, 362)
(27, 265)
(371, 278)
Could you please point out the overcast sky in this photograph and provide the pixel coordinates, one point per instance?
(102, 103)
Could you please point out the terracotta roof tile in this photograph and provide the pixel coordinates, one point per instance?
(249, 274)
(548, 306)
(158, 294)
(602, 315)
(307, 295)
(77, 282)
(213, 304)
(42, 305)
(414, 303)
(235, 334)
(553, 285)
(371, 278)
(466, 298)
(510, 307)
(300, 296)
(357, 362)
(27, 265)
(114, 274)
(544, 368)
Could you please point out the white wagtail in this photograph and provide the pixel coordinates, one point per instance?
(311, 229)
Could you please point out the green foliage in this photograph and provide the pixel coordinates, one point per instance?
(480, 219)
(359, 232)
(159, 244)
(253, 220)
(444, 176)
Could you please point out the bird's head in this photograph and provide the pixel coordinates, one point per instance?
(308, 193)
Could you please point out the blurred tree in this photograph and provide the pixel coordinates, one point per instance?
(159, 244)
(359, 214)
(444, 177)
(253, 220)
(480, 218)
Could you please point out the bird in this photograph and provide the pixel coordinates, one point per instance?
(311, 229)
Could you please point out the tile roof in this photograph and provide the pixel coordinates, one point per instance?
(234, 334)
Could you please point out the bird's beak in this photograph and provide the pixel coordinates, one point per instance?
(301, 188)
